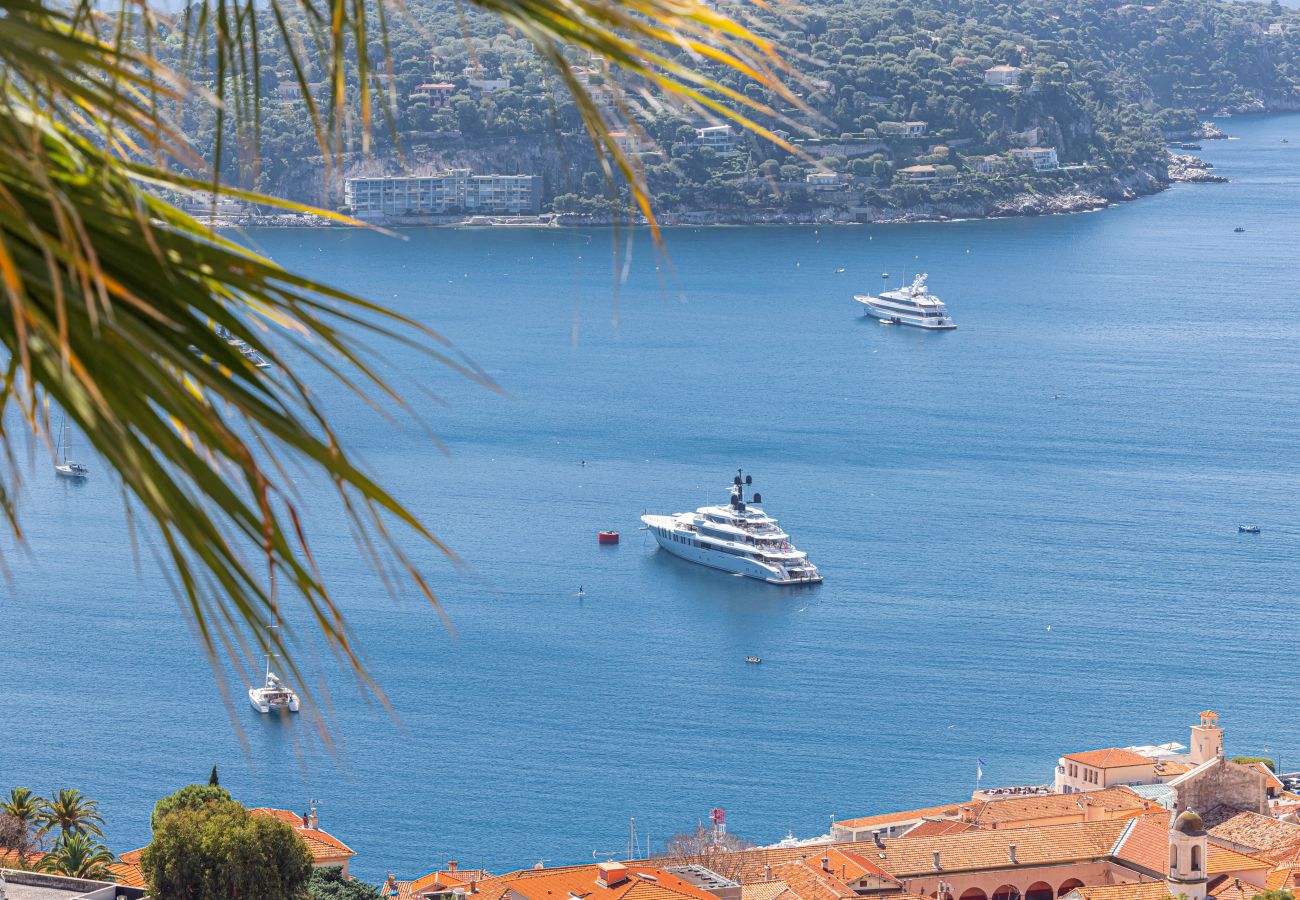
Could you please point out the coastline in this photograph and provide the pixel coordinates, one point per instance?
(1078, 198)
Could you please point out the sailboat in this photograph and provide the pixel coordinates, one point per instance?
(274, 694)
(64, 466)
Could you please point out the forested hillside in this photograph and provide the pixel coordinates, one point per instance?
(1098, 82)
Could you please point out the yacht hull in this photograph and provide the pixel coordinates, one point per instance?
(725, 562)
(944, 323)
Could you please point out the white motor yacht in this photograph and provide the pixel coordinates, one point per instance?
(739, 538)
(912, 305)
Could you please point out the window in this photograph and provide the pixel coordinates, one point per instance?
(1196, 858)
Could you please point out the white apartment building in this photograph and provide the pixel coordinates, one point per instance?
(457, 191)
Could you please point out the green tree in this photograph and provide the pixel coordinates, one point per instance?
(23, 809)
(69, 812)
(1251, 760)
(192, 796)
(328, 883)
(78, 856)
(220, 850)
(1274, 895)
(213, 781)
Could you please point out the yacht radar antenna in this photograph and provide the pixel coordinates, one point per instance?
(884, 282)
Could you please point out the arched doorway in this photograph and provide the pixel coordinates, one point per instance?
(1040, 890)
(1067, 886)
(1007, 892)
(974, 894)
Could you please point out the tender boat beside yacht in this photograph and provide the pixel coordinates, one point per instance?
(739, 538)
(912, 305)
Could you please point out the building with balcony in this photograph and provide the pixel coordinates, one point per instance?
(446, 193)
(1042, 158)
(437, 93)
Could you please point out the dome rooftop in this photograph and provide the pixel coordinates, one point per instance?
(1189, 822)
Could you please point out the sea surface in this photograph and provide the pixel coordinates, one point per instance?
(1028, 529)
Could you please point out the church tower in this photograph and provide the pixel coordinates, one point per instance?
(1187, 856)
(1207, 738)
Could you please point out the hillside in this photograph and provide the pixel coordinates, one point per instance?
(1096, 82)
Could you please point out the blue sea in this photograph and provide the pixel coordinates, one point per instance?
(1123, 390)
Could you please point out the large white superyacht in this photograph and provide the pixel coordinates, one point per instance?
(912, 305)
(739, 538)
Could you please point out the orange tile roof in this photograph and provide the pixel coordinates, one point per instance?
(1169, 767)
(1220, 859)
(9, 858)
(434, 882)
(1144, 890)
(807, 881)
(1040, 806)
(764, 890)
(1252, 830)
(642, 883)
(1231, 889)
(947, 809)
(1145, 845)
(324, 846)
(1109, 758)
(936, 827)
(127, 870)
(1285, 877)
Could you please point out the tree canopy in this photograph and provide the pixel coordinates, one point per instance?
(220, 851)
(328, 883)
(192, 796)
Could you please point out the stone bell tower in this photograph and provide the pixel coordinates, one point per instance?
(1187, 856)
(1207, 738)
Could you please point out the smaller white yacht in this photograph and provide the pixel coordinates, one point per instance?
(912, 305)
(65, 467)
(274, 694)
(738, 538)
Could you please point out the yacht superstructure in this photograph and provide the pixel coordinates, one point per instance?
(739, 538)
(912, 305)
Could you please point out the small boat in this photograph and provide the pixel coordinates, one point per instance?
(1248, 529)
(607, 537)
(1239, 230)
(839, 271)
(753, 659)
(65, 467)
(886, 321)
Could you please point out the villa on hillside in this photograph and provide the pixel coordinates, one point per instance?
(1003, 76)
(1042, 158)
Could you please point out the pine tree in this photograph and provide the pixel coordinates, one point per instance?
(212, 779)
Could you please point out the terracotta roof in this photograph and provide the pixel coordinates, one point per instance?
(642, 883)
(1270, 778)
(1285, 877)
(1251, 830)
(1169, 767)
(1220, 859)
(807, 881)
(431, 883)
(323, 845)
(1145, 890)
(1144, 845)
(763, 890)
(1040, 806)
(936, 827)
(1231, 889)
(948, 809)
(9, 858)
(1109, 758)
(127, 870)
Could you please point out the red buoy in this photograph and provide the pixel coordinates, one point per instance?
(607, 537)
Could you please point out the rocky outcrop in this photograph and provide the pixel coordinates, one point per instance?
(1192, 170)
(1207, 131)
